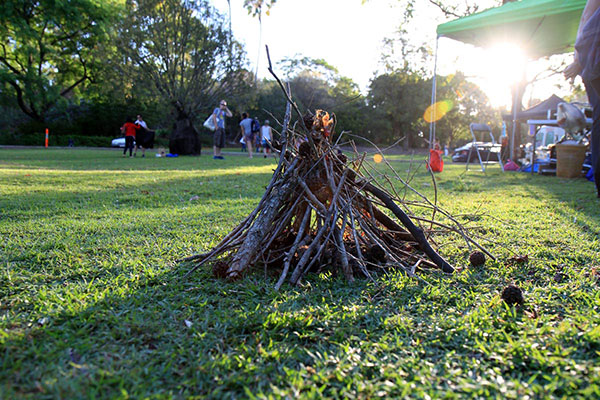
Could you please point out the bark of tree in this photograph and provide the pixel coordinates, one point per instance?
(184, 139)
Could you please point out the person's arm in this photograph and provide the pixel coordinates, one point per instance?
(227, 112)
(214, 116)
(575, 67)
(243, 130)
(590, 8)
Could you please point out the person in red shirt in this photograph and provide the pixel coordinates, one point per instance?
(129, 129)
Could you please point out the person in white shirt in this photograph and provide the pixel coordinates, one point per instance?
(141, 122)
(140, 136)
(266, 137)
(246, 126)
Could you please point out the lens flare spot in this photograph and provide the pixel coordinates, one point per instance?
(378, 158)
(436, 111)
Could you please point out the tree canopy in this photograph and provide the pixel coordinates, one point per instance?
(47, 49)
(72, 63)
(184, 49)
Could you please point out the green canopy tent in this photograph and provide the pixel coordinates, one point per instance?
(540, 27)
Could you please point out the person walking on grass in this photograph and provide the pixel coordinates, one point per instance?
(218, 116)
(247, 135)
(266, 134)
(129, 129)
(587, 64)
(140, 137)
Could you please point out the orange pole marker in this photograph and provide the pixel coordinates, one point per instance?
(46, 141)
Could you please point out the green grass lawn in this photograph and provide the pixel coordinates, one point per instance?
(93, 304)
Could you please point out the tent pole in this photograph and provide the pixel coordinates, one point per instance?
(518, 88)
(433, 98)
(514, 124)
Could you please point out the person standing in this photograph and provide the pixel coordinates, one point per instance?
(266, 137)
(218, 116)
(247, 134)
(587, 64)
(140, 137)
(129, 129)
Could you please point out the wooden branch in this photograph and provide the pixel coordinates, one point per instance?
(304, 259)
(416, 232)
(262, 224)
(290, 254)
(343, 254)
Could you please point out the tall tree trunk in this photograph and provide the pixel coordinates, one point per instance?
(184, 138)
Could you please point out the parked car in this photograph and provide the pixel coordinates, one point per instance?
(460, 154)
(119, 142)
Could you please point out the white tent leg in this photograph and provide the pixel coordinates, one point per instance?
(433, 98)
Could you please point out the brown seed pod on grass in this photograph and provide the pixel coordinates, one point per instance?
(513, 295)
(518, 260)
(477, 258)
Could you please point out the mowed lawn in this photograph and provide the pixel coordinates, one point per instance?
(94, 305)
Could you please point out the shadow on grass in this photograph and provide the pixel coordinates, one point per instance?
(174, 336)
(147, 332)
(200, 336)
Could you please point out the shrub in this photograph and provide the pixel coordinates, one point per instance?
(37, 139)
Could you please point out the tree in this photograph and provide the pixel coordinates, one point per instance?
(185, 50)
(256, 7)
(399, 100)
(467, 103)
(462, 8)
(318, 85)
(48, 49)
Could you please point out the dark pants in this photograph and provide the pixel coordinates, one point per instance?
(128, 145)
(219, 138)
(593, 91)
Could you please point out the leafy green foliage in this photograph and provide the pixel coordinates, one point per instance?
(469, 105)
(92, 301)
(399, 99)
(183, 49)
(48, 49)
(256, 7)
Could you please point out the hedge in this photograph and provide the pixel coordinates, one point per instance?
(37, 139)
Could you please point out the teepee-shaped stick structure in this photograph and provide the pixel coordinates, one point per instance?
(320, 211)
(323, 211)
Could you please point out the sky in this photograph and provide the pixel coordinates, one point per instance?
(349, 36)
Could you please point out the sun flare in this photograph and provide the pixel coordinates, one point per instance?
(498, 68)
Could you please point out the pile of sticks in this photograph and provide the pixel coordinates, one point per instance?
(322, 211)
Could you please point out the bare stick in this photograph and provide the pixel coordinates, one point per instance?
(290, 254)
(341, 247)
(416, 232)
(298, 270)
(260, 227)
(360, 258)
